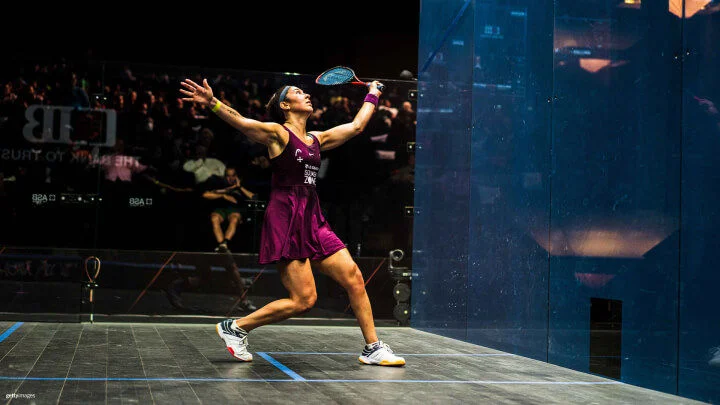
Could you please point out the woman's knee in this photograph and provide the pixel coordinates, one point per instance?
(354, 281)
(305, 302)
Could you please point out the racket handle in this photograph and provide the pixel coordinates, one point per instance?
(380, 86)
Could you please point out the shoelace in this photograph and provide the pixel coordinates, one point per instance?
(386, 347)
(235, 333)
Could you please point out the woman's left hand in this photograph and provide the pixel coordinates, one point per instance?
(196, 93)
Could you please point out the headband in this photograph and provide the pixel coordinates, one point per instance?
(283, 93)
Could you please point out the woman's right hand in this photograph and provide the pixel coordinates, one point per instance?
(376, 88)
(196, 93)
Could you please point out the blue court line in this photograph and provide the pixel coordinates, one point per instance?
(172, 266)
(408, 354)
(261, 380)
(175, 266)
(10, 330)
(295, 376)
(171, 379)
(39, 256)
(475, 382)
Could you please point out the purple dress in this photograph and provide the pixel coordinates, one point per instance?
(294, 227)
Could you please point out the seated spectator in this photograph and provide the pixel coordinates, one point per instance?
(228, 193)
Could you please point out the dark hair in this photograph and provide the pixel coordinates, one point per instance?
(273, 107)
(239, 171)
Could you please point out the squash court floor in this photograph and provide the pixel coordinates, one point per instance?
(146, 363)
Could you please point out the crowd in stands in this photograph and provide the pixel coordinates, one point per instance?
(166, 154)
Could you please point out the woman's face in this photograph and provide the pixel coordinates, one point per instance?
(297, 100)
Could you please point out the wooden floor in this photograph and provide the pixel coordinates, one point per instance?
(145, 363)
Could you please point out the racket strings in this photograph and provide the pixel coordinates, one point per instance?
(336, 76)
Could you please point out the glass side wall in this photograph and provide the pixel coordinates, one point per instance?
(105, 157)
(699, 346)
(615, 191)
(586, 237)
(510, 180)
(440, 258)
(51, 284)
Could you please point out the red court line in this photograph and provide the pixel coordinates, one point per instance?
(370, 278)
(244, 293)
(152, 281)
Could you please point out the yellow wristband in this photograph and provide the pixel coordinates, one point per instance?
(216, 107)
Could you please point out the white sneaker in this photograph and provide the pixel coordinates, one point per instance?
(715, 361)
(235, 341)
(380, 354)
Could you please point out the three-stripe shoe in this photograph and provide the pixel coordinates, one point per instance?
(380, 354)
(235, 340)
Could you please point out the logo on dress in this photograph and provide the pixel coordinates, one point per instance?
(311, 173)
(299, 158)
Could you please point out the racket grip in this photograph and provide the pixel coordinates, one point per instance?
(380, 86)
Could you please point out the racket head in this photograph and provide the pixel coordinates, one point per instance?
(336, 75)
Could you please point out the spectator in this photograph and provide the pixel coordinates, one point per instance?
(203, 167)
(157, 130)
(228, 194)
(120, 167)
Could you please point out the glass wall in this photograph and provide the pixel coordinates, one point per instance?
(440, 256)
(586, 237)
(102, 155)
(105, 160)
(615, 191)
(699, 344)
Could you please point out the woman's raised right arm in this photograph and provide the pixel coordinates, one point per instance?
(265, 133)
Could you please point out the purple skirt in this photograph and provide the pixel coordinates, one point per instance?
(294, 227)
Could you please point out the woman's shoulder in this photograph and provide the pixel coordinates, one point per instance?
(315, 134)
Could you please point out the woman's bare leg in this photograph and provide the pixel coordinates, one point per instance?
(298, 279)
(341, 267)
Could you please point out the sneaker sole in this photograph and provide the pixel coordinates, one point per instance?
(365, 360)
(217, 330)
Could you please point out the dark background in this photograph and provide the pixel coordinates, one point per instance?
(378, 39)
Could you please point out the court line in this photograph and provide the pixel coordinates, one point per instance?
(261, 380)
(408, 354)
(10, 330)
(488, 382)
(295, 376)
(173, 266)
